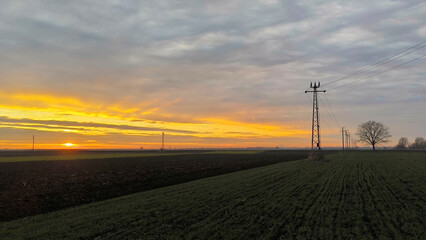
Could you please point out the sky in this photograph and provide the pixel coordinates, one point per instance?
(209, 74)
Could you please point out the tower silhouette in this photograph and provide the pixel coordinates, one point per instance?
(315, 140)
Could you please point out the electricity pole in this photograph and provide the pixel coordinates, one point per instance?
(350, 147)
(315, 142)
(343, 139)
(347, 139)
(162, 142)
(33, 142)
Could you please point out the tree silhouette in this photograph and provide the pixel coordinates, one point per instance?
(402, 143)
(373, 133)
(419, 143)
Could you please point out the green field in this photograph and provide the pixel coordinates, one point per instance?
(358, 195)
(101, 155)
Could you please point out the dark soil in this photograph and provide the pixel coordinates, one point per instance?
(30, 188)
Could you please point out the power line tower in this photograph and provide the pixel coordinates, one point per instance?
(315, 142)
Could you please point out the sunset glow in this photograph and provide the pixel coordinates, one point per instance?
(210, 78)
(62, 116)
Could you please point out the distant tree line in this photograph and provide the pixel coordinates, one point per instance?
(419, 143)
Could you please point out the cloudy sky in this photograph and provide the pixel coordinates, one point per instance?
(115, 74)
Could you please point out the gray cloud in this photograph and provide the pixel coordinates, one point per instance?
(82, 125)
(217, 58)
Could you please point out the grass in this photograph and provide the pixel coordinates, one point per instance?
(359, 195)
(101, 155)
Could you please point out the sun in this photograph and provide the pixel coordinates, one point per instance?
(68, 144)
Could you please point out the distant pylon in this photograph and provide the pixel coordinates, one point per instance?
(350, 147)
(347, 134)
(33, 141)
(162, 141)
(315, 141)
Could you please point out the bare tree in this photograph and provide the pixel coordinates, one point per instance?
(373, 133)
(402, 143)
(419, 143)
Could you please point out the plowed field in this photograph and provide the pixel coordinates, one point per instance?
(48, 181)
(358, 195)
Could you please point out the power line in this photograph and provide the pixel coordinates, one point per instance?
(309, 99)
(329, 114)
(367, 77)
(332, 110)
(315, 143)
(382, 62)
(326, 122)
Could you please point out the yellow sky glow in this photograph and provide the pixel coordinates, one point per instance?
(69, 115)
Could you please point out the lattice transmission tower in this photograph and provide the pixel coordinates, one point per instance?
(315, 142)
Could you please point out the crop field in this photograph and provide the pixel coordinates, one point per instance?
(358, 195)
(55, 180)
(55, 155)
